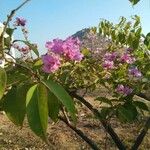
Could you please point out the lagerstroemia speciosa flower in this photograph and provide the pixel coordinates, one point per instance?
(127, 58)
(110, 56)
(108, 61)
(51, 63)
(20, 22)
(55, 46)
(70, 48)
(108, 64)
(125, 90)
(135, 72)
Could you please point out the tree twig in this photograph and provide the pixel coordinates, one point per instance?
(141, 136)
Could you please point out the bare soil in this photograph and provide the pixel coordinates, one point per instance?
(63, 138)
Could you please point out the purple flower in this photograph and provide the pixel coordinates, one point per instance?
(24, 49)
(56, 46)
(125, 90)
(110, 56)
(108, 64)
(20, 22)
(51, 63)
(127, 58)
(135, 72)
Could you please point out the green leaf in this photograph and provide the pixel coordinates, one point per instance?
(37, 109)
(127, 112)
(141, 105)
(134, 2)
(7, 42)
(38, 63)
(104, 100)
(3, 80)
(63, 96)
(17, 74)
(53, 106)
(10, 31)
(147, 41)
(135, 43)
(85, 52)
(105, 112)
(14, 104)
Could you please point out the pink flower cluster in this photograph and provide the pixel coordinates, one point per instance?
(69, 49)
(135, 72)
(51, 63)
(108, 61)
(108, 64)
(124, 90)
(127, 58)
(111, 57)
(20, 22)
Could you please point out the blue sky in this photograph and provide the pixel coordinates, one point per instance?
(48, 19)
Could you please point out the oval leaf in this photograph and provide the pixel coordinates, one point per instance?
(37, 110)
(14, 104)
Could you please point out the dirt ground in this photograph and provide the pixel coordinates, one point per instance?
(63, 138)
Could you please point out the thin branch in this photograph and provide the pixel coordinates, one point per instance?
(142, 95)
(141, 136)
(65, 115)
(91, 143)
(105, 124)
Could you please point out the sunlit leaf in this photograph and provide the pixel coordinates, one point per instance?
(37, 109)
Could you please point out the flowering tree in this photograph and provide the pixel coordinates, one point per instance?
(47, 86)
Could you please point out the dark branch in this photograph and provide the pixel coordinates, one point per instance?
(141, 136)
(105, 124)
(81, 134)
(142, 95)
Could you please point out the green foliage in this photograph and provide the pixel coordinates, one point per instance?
(62, 95)
(3, 80)
(123, 33)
